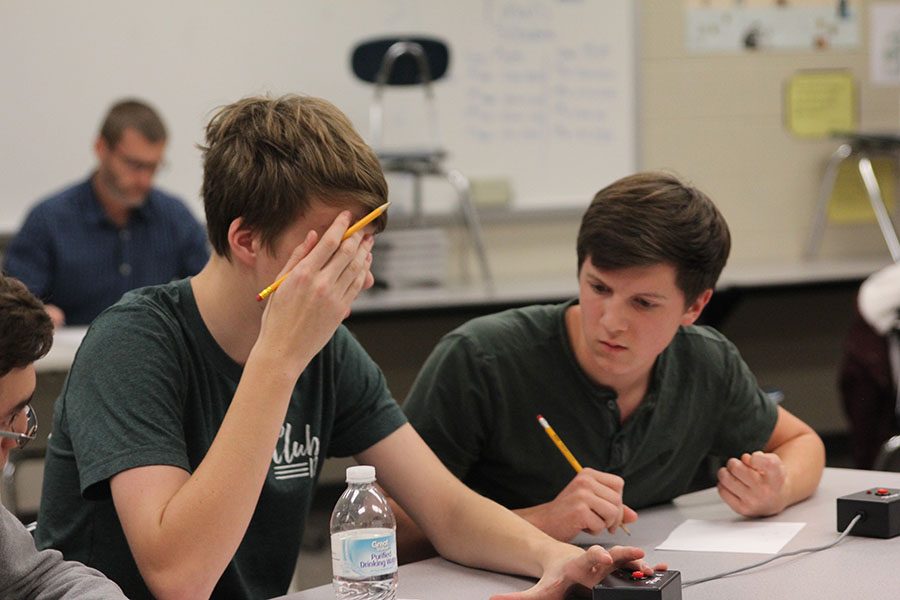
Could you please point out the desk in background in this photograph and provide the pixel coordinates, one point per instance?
(788, 320)
(66, 341)
(476, 299)
(856, 568)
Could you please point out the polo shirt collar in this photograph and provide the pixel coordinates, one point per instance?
(94, 213)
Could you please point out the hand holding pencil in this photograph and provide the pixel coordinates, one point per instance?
(321, 279)
(591, 502)
(350, 231)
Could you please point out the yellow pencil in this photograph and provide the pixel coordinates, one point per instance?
(565, 452)
(350, 231)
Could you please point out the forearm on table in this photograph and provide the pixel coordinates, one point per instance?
(804, 461)
(532, 514)
(466, 528)
(412, 543)
(496, 538)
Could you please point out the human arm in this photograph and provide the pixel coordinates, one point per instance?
(26, 572)
(29, 258)
(183, 527)
(412, 544)
(591, 502)
(56, 314)
(475, 393)
(786, 471)
(29, 255)
(474, 531)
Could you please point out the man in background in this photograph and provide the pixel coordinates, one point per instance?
(80, 249)
(25, 336)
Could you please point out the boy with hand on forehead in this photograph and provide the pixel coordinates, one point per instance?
(187, 441)
(640, 395)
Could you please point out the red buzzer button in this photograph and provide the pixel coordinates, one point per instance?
(881, 492)
(637, 575)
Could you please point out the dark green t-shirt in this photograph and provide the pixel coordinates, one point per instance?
(477, 398)
(150, 386)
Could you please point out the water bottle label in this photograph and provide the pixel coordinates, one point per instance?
(364, 553)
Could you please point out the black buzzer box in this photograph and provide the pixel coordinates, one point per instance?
(880, 508)
(623, 584)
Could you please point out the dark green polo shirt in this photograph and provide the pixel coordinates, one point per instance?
(477, 398)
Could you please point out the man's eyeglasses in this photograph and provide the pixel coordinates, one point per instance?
(31, 425)
(139, 166)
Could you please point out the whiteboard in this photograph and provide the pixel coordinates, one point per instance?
(539, 93)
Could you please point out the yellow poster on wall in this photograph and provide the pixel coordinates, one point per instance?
(849, 199)
(820, 103)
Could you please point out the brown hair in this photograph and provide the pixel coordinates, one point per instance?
(266, 159)
(136, 114)
(26, 332)
(653, 218)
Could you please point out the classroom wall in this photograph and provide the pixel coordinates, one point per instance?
(717, 120)
(535, 90)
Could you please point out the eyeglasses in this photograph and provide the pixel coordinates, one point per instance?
(31, 425)
(139, 166)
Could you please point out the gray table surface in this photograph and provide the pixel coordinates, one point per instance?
(858, 567)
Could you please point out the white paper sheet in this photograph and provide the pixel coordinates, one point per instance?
(754, 537)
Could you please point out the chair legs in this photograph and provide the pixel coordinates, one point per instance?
(470, 216)
(884, 220)
(889, 457)
(873, 190)
(821, 216)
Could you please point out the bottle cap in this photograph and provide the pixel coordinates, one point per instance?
(361, 474)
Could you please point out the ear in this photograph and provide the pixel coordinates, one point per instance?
(244, 243)
(692, 313)
(101, 148)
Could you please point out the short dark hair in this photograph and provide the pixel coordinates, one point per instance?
(134, 113)
(26, 332)
(266, 159)
(652, 218)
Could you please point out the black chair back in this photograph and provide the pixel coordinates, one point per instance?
(368, 58)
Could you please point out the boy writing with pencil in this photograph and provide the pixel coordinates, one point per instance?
(187, 440)
(639, 394)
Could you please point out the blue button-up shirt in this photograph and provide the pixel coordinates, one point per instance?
(70, 254)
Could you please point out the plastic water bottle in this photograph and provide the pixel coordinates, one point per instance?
(363, 541)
